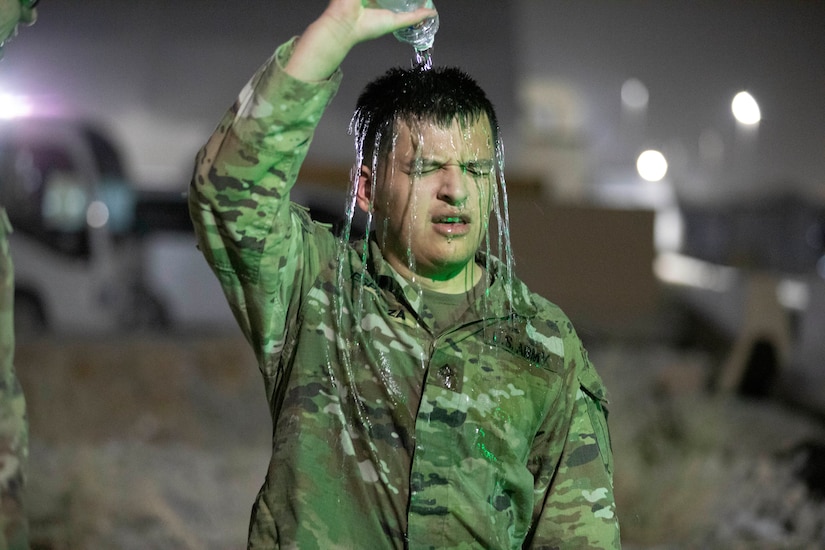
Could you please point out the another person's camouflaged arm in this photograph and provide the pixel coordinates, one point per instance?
(13, 426)
(251, 236)
(579, 511)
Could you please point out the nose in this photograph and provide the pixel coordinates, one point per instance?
(452, 186)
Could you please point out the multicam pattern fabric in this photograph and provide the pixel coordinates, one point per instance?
(13, 426)
(388, 434)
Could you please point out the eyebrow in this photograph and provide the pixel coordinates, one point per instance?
(486, 163)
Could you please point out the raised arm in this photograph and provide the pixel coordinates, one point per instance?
(345, 23)
(261, 248)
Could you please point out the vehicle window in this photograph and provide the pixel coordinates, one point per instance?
(107, 159)
(44, 195)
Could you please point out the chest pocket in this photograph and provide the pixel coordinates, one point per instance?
(534, 350)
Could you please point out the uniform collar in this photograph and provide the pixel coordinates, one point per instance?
(496, 301)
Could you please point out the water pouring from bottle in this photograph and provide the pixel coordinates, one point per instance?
(421, 36)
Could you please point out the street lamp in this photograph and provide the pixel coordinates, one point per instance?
(651, 165)
(745, 109)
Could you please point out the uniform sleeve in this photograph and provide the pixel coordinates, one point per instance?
(260, 245)
(578, 510)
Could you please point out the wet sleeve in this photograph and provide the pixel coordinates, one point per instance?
(256, 241)
(578, 510)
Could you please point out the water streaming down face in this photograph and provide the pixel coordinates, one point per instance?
(413, 99)
(429, 223)
(463, 140)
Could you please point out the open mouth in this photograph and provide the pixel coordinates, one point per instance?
(451, 220)
(451, 225)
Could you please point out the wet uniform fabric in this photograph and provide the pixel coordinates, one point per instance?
(389, 433)
(13, 426)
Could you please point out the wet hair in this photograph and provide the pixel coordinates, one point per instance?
(438, 95)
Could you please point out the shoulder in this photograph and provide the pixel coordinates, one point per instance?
(550, 319)
(544, 314)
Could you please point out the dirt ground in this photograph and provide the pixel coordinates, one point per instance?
(156, 442)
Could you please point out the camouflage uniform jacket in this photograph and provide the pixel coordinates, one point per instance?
(13, 426)
(388, 434)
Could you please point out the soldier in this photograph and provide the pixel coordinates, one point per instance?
(421, 396)
(13, 425)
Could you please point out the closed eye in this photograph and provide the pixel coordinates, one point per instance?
(479, 168)
(423, 167)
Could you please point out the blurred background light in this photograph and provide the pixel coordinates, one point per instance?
(746, 109)
(97, 215)
(14, 106)
(651, 165)
(634, 94)
(793, 294)
(678, 269)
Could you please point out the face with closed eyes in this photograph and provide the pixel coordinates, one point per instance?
(431, 201)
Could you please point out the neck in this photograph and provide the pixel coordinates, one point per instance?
(461, 283)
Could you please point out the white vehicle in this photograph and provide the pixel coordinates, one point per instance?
(750, 279)
(63, 188)
(173, 267)
(83, 262)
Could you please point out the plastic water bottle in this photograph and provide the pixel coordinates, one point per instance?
(420, 36)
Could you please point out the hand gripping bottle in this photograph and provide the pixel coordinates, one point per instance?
(420, 36)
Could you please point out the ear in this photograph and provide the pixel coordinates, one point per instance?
(363, 194)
